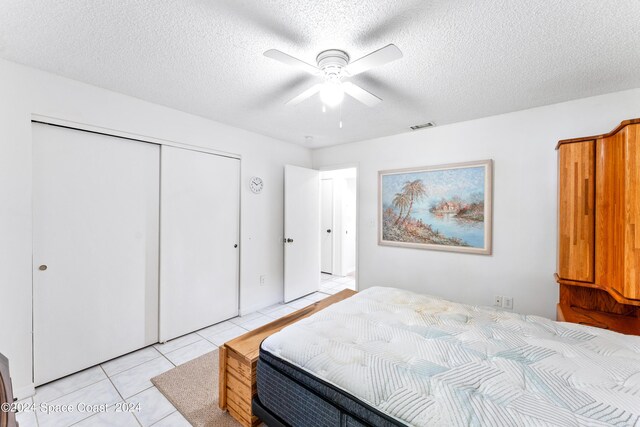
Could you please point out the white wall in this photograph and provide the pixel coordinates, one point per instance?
(25, 91)
(524, 210)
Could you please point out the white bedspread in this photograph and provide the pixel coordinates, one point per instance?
(427, 361)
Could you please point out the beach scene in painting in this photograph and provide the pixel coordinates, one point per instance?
(437, 207)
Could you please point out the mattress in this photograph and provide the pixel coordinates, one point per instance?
(421, 360)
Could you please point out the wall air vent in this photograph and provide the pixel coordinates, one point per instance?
(426, 125)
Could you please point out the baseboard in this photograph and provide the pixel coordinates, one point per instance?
(24, 392)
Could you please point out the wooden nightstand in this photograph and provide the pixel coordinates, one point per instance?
(239, 357)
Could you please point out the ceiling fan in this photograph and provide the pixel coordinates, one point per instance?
(334, 66)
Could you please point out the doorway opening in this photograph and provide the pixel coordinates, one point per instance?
(338, 225)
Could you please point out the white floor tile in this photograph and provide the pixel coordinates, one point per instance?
(342, 279)
(224, 336)
(330, 291)
(177, 343)
(137, 379)
(271, 308)
(101, 393)
(318, 296)
(246, 318)
(282, 311)
(257, 322)
(190, 352)
(26, 418)
(299, 303)
(334, 284)
(174, 420)
(153, 406)
(217, 328)
(129, 361)
(66, 385)
(109, 419)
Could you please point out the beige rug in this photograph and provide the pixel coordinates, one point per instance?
(193, 389)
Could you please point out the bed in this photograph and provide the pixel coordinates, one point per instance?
(389, 357)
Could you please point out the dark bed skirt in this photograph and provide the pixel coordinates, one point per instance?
(289, 396)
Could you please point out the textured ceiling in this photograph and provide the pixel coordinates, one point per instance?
(462, 59)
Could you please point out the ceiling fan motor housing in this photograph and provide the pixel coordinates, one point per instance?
(331, 62)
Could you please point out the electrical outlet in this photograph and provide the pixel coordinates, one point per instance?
(497, 301)
(263, 279)
(507, 302)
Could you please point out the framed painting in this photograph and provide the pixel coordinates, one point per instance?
(445, 207)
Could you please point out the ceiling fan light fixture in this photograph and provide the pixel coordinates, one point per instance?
(332, 93)
(334, 65)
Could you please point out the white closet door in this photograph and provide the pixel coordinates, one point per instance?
(95, 248)
(200, 209)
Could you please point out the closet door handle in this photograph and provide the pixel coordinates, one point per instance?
(235, 246)
(43, 267)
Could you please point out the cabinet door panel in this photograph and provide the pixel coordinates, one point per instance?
(576, 208)
(610, 191)
(631, 287)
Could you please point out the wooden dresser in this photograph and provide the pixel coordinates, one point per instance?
(239, 357)
(599, 229)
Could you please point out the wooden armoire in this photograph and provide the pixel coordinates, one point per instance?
(599, 229)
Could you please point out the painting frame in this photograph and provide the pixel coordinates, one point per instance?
(486, 249)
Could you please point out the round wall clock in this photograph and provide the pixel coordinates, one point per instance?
(256, 184)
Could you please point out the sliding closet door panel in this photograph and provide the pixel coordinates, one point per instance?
(95, 248)
(199, 255)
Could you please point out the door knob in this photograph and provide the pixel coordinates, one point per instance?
(43, 267)
(289, 240)
(329, 231)
(235, 246)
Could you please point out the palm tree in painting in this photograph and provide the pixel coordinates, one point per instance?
(401, 201)
(415, 191)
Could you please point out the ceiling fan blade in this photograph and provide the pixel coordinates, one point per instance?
(291, 61)
(367, 98)
(377, 58)
(304, 95)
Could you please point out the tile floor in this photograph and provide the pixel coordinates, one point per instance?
(126, 380)
(332, 284)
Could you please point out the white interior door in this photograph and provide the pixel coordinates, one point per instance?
(95, 249)
(199, 255)
(301, 225)
(326, 225)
